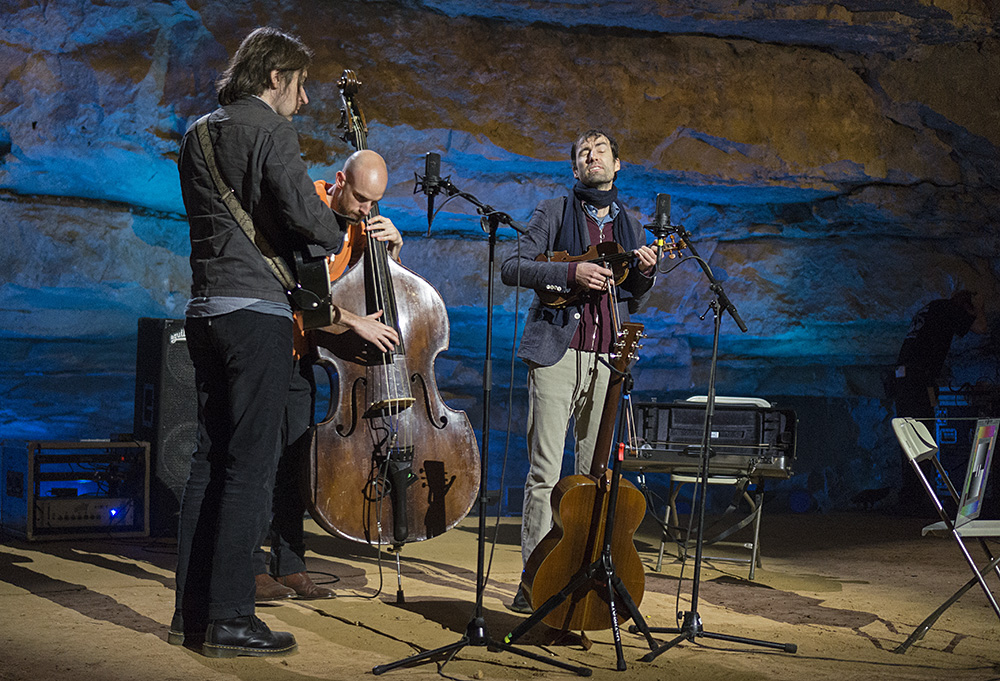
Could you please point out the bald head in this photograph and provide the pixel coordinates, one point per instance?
(366, 172)
(360, 184)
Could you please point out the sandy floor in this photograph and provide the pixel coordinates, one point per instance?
(846, 590)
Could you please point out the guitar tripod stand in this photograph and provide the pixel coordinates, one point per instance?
(602, 569)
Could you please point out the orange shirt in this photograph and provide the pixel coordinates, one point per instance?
(349, 253)
(353, 241)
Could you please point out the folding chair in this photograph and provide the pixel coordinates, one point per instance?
(740, 484)
(755, 503)
(919, 445)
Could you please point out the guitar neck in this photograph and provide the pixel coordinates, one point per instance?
(626, 345)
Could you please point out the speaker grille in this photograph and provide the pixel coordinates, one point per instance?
(166, 415)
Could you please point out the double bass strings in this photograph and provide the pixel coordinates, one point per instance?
(390, 395)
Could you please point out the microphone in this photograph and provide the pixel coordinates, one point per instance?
(431, 183)
(662, 224)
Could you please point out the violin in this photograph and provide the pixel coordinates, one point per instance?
(609, 254)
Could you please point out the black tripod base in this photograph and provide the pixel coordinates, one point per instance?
(476, 634)
(692, 629)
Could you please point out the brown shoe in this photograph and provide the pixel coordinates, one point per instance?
(306, 589)
(270, 590)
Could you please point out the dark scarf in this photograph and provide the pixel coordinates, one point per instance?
(573, 236)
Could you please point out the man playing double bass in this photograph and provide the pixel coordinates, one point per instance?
(563, 347)
(356, 188)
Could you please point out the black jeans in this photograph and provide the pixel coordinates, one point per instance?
(283, 529)
(243, 366)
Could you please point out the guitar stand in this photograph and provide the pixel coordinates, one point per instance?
(601, 570)
(476, 632)
(691, 627)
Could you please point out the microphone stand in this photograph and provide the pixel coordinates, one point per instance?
(691, 627)
(476, 632)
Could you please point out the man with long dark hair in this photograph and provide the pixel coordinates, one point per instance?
(239, 333)
(563, 348)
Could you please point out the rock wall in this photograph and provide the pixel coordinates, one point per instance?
(836, 165)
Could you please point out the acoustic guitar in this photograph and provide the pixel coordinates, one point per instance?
(579, 510)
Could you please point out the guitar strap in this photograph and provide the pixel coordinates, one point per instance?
(303, 298)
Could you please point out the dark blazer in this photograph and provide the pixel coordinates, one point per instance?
(547, 331)
(258, 155)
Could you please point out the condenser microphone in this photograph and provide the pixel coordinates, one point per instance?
(432, 183)
(662, 223)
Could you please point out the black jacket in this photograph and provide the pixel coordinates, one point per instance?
(258, 155)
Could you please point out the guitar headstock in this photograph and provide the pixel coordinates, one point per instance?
(352, 120)
(627, 344)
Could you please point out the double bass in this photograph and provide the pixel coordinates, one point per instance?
(579, 513)
(391, 462)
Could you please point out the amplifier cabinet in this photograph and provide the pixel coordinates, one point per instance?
(63, 490)
(166, 416)
(744, 440)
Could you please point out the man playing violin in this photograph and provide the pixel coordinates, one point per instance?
(567, 380)
(355, 190)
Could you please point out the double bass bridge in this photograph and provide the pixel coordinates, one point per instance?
(388, 389)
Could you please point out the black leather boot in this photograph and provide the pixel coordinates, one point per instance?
(245, 636)
(175, 635)
(191, 633)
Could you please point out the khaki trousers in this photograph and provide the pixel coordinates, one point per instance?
(572, 388)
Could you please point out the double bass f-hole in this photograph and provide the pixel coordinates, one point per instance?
(436, 421)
